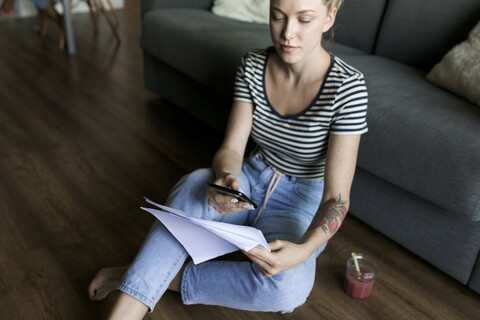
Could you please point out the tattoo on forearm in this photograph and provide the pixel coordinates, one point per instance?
(330, 216)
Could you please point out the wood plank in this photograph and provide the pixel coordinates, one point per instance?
(81, 142)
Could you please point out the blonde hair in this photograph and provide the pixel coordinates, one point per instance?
(332, 4)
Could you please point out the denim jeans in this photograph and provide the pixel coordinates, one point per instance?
(234, 284)
(41, 4)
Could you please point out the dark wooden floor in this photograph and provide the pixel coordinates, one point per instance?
(81, 142)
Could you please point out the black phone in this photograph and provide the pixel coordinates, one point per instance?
(233, 193)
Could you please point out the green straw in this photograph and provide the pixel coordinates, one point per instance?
(355, 261)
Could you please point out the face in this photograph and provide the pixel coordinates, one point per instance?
(296, 27)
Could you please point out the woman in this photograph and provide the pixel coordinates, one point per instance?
(7, 10)
(306, 110)
(47, 12)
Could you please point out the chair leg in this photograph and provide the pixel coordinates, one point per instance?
(114, 29)
(112, 9)
(43, 24)
(92, 14)
(51, 13)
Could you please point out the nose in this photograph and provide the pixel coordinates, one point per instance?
(289, 30)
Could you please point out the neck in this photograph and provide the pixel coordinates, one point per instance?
(309, 68)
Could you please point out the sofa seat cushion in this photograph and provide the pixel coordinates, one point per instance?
(421, 138)
(206, 47)
(342, 49)
(203, 46)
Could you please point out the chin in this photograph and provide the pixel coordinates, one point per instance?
(289, 57)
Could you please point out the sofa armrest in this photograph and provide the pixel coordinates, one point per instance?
(149, 5)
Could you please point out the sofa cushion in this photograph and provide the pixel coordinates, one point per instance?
(421, 138)
(359, 30)
(449, 242)
(243, 10)
(201, 44)
(206, 47)
(459, 70)
(338, 48)
(419, 33)
(150, 5)
(475, 278)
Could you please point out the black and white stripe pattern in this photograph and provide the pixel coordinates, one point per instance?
(297, 145)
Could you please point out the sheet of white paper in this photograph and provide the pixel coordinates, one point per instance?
(242, 241)
(246, 237)
(205, 239)
(201, 244)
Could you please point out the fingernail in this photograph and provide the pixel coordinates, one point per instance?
(233, 200)
(246, 206)
(240, 189)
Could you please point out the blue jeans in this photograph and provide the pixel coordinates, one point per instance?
(233, 284)
(41, 4)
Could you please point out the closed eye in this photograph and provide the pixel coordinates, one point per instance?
(305, 18)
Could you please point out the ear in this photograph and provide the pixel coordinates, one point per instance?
(330, 20)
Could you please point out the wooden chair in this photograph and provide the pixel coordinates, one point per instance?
(95, 6)
(111, 17)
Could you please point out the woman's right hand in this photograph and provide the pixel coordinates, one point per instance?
(226, 204)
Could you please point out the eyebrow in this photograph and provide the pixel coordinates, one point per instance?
(299, 12)
(305, 11)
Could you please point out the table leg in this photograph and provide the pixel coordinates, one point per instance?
(68, 27)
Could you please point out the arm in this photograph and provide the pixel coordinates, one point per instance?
(339, 172)
(340, 168)
(227, 162)
(228, 159)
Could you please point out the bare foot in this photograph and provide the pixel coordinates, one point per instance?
(50, 13)
(105, 282)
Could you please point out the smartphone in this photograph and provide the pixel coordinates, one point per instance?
(233, 193)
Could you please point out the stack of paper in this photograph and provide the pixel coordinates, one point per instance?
(203, 239)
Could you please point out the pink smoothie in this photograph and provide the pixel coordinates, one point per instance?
(358, 287)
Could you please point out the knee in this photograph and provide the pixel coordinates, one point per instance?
(289, 289)
(190, 189)
(200, 177)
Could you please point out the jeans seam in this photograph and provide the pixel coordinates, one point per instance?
(183, 286)
(126, 289)
(169, 273)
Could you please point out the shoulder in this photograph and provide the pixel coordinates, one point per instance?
(347, 82)
(255, 57)
(345, 73)
(348, 85)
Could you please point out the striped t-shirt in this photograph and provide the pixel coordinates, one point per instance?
(297, 145)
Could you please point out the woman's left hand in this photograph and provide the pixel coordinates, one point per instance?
(285, 255)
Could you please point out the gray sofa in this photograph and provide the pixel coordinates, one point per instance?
(418, 173)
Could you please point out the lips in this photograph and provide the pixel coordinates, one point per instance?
(288, 48)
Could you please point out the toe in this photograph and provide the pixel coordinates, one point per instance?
(93, 288)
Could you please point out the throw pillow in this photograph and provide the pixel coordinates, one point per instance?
(459, 70)
(244, 10)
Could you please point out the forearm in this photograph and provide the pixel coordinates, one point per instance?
(227, 161)
(285, 255)
(325, 224)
